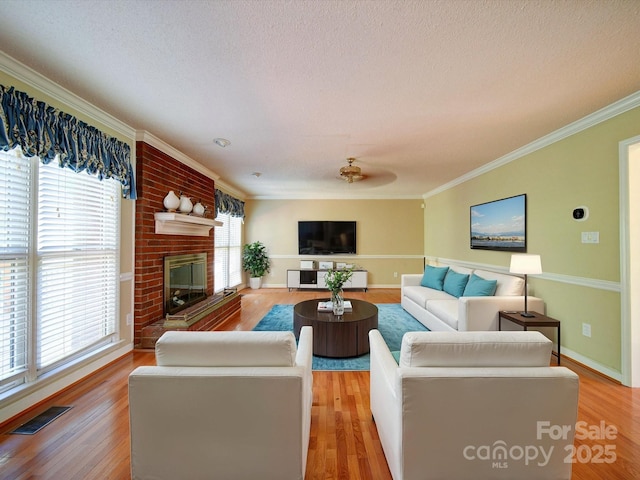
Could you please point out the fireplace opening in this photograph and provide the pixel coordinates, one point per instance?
(185, 281)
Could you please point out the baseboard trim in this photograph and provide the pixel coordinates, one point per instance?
(592, 365)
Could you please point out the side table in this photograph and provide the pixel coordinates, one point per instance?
(539, 320)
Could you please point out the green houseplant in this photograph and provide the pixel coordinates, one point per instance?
(255, 261)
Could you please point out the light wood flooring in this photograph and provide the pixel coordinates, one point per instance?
(91, 441)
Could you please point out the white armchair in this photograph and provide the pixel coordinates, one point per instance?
(473, 405)
(223, 405)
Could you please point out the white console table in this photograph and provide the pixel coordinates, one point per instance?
(315, 279)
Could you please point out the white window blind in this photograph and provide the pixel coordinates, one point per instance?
(235, 251)
(59, 266)
(15, 201)
(228, 252)
(77, 263)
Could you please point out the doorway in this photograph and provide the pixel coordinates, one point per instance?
(629, 153)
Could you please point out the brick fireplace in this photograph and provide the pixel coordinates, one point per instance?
(156, 174)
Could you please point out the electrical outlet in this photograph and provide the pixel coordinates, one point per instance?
(129, 318)
(395, 274)
(586, 329)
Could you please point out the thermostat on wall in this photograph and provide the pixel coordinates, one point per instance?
(580, 214)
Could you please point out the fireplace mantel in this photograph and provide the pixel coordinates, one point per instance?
(172, 223)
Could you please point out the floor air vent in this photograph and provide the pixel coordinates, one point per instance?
(39, 422)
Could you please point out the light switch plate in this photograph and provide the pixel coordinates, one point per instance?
(590, 237)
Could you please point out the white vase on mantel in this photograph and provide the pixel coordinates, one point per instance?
(171, 202)
(198, 209)
(185, 204)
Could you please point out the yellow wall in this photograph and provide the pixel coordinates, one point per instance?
(580, 283)
(389, 234)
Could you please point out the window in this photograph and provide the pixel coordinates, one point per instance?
(228, 252)
(15, 200)
(59, 266)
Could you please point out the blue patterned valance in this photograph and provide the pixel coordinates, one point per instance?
(227, 204)
(44, 131)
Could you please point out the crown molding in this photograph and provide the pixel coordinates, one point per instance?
(624, 105)
(38, 81)
(150, 139)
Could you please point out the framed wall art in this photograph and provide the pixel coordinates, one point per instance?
(500, 224)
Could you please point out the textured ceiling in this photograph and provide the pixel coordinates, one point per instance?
(420, 92)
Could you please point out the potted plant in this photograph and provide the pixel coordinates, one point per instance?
(255, 261)
(335, 280)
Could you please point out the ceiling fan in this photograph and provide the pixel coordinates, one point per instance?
(351, 173)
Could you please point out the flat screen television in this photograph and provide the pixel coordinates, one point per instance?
(326, 237)
(500, 225)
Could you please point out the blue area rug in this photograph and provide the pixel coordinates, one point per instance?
(393, 322)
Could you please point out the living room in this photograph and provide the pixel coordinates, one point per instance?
(581, 165)
(580, 281)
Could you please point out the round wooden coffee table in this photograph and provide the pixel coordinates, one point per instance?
(337, 336)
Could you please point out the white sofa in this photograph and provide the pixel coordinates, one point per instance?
(473, 406)
(223, 405)
(439, 311)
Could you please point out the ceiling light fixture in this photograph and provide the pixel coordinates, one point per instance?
(221, 142)
(350, 173)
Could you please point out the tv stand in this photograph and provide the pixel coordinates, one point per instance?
(314, 279)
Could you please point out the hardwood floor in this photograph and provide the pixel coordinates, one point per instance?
(91, 441)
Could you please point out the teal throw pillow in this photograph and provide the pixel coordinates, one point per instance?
(479, 287)
(454, 283)
(434, 277)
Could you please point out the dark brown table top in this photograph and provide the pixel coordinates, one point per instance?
(538, 320)
(360, 310)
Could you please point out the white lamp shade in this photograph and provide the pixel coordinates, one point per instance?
(525, 263)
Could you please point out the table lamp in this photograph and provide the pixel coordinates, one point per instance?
(527, 265)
